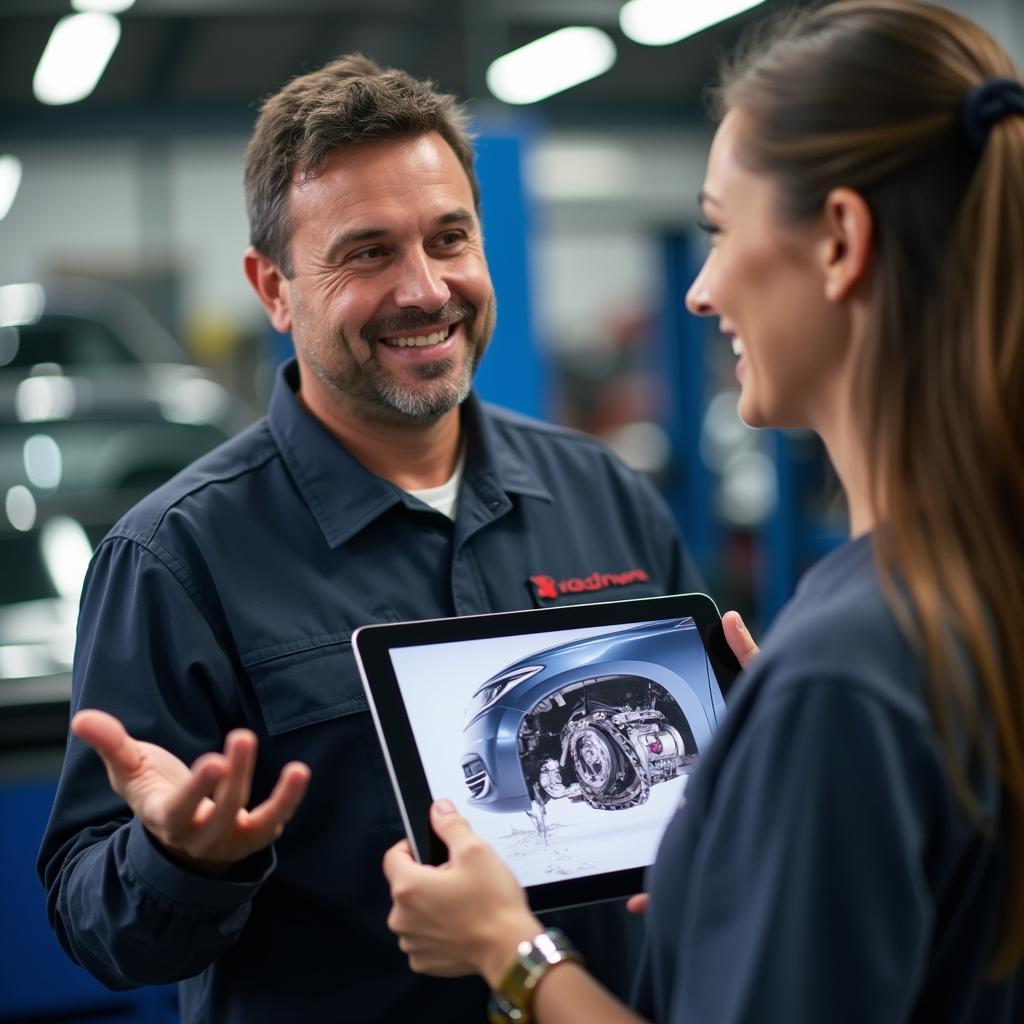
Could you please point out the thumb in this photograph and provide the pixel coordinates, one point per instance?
(108, 737)
(451, 828)
(739, 638)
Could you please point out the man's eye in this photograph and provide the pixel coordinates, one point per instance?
(374, 253)
(450, 238)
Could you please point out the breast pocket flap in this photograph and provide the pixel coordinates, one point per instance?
(310, 686)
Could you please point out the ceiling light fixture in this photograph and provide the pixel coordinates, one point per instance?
(103, 6)
(10, 179)
(551, 64)
(660, 22)
(75, 57)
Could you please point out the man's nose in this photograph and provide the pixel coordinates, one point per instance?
(421, 283)
(697, 300)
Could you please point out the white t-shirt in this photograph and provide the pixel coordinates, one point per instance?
(445, 497)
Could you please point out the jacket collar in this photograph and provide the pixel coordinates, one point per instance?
(344, 496)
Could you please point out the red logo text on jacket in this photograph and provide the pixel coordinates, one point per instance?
(547, 588)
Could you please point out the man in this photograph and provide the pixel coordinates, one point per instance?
(216, 618)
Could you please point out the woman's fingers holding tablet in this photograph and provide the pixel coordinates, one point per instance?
(466, 915)
(638, 904)
(739, 639)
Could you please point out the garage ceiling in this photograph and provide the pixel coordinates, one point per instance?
(199, 65)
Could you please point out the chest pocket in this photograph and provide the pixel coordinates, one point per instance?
(314, 709)
(308, 686)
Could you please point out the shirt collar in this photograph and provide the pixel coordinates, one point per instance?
(344, 496)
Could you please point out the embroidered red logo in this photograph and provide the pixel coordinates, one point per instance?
(549, 589)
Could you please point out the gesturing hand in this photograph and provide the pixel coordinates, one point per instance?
(198, 814)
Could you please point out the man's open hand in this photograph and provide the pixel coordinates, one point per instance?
(198, 814)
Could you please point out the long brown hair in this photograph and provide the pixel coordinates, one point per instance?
(868, 94)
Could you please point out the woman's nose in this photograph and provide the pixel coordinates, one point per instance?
(697, 300)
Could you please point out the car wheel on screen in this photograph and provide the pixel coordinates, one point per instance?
(608, 770)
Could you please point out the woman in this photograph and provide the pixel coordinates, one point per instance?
(852, 846)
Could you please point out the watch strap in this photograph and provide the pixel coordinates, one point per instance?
(512, 1001)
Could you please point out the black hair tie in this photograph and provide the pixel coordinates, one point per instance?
(989, 103)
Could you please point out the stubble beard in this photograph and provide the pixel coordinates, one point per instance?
(375, 392)
(444, 388)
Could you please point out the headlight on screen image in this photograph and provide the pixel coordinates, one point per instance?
(490, 692)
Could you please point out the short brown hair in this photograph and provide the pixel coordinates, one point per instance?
(346, 103)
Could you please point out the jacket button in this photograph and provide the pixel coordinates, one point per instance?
(494, 505)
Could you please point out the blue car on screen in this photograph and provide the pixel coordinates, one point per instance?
(599, 720)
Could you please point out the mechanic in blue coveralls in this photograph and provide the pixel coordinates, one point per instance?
(236, 846)
(851, 848)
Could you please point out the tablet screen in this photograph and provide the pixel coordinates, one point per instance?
(567, 750)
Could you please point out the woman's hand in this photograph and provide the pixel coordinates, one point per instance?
(466, 916)
(739, 639)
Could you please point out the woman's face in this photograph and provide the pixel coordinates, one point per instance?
(763, 279)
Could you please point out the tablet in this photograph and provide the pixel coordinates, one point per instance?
(566, 736)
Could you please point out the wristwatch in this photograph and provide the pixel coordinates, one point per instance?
(512, 1001)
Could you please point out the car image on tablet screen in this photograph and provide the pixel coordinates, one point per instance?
(598, 721)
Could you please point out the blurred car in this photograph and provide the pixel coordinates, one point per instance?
(110, 352)
(599, 720)
(81, 325)
(91, 419)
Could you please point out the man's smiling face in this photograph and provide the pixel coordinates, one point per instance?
(390, 303)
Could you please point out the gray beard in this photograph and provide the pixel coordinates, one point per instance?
(381, 397)
(428, 403)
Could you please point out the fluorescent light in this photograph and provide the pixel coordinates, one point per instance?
(550, 64)
(660, 22)
(21, 304)
(75, 56)
(20, 507)
(66, 554)
(10, 179)
(44, 464)
(44, 398)
(103, 6)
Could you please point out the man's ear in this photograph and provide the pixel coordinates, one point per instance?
(271, 287)
(846, 249)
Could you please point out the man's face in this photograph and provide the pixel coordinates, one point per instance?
(390, 303)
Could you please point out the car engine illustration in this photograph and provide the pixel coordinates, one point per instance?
(599, 720)
(605, 741)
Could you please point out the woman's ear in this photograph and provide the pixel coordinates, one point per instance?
(271, 287)
(846, 248)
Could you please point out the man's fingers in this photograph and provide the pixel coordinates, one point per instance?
(179, 809)
(266, 822)
(739, 638)
(233, 789)
(108, 737)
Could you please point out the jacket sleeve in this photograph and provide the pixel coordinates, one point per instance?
(119, 905)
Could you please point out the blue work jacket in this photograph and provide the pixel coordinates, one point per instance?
(227, 598)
